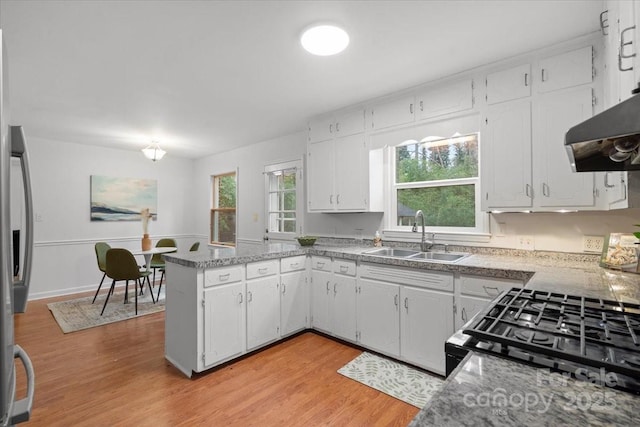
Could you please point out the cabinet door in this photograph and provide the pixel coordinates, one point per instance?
(506, 156)
(224, 326)
(321, 286)
(320, 176)
(349, 123)
(392, 113)
(351, 173)
(321, 129)
(294, 302)
(426, 323)
(469, 307)
(378, 316)
(557, 186)
(263, 311)
(343, 309)
(566, 70)
(507, 85)
(447, 99)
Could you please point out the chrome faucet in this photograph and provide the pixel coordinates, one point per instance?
(425, 245)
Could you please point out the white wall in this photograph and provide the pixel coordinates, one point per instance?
(64, 258)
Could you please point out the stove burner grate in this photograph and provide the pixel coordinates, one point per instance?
(536, 337)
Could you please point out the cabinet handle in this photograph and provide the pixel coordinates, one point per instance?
(406, 303)
(411, 108)
(545, 189)
(338, 127)
(526, 79)
(263, 270)
(528, 191)
(344, 269)
(284, 289)
(338, 199)
(331, 199)
(421, 106)
(624, 43)
(240, 295)
(249, 296)
(335, 291)
(395, 299)
(543, 75)
(293, 265)
(464, 315)
(327, 287)
(620, 64)
(223, 277)
(604, 23)
(331, 128)
(486, 290)
(320, 264)
(606, 181)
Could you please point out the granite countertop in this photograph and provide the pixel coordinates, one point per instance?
(547, 271)
(486, 390)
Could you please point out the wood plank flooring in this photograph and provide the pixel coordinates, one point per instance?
(116, 375)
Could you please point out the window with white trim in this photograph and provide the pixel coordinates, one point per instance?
(223, 211)
(440, 177)
(284, 202)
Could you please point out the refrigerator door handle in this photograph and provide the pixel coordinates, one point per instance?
(22, 408)
(21, 287)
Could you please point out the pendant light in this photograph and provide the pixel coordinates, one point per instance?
(153, 152)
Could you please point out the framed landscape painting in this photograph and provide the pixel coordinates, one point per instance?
(122, 199)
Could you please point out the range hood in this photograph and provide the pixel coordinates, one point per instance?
(608, 141)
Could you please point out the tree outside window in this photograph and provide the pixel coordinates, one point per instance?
(440, 177)
(223, 212)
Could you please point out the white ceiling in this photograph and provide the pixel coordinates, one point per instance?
(205, 77)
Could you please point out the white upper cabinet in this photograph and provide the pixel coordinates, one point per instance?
(565, 70)
(321, 129)
(524, 162)
(398, 111)
(351, 171)
(328, 127)
(320, 173)
(506, 85)
(506, 156)
(557, 185)
(446, 99)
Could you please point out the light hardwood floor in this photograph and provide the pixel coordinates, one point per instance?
(116, 375)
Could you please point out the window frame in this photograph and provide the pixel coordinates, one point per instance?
(299, 190)
(477, 233)
(215, 208)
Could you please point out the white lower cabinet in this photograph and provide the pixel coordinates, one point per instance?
(294, 296)
(473, 293)
(343, 303)
(321, 286)
(224, 322)
(378, 319)
(406, 313)
(426, 322)
(263, 311)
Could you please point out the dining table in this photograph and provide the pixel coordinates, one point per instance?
(147, 259)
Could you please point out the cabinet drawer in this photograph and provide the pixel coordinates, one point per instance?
(294, 263)
(261, 269)
(486, 287)
(218, 276)
(408, 276)
(321, 263)
(345, 267)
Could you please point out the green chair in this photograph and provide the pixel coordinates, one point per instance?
(121, 265)
(101, 249)
(157, 262)
(194, 247)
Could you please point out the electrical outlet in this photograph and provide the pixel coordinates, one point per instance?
(592, 243)
(526, 242)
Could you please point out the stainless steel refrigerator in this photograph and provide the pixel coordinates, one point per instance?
(13, 291)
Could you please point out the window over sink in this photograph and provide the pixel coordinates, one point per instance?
(284, 204)
(440, 177)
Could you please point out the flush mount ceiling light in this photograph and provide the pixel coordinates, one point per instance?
(154, 152)
(324, 40)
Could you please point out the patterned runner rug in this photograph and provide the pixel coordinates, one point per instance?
(393, 378)
(78, 314)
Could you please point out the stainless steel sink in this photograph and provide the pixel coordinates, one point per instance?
(445, 257)
(392, 252)
(439, 256)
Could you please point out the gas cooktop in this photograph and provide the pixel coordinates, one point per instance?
(586, 337)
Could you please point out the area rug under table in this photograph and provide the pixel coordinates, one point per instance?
(78, 314)
(393, 378)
